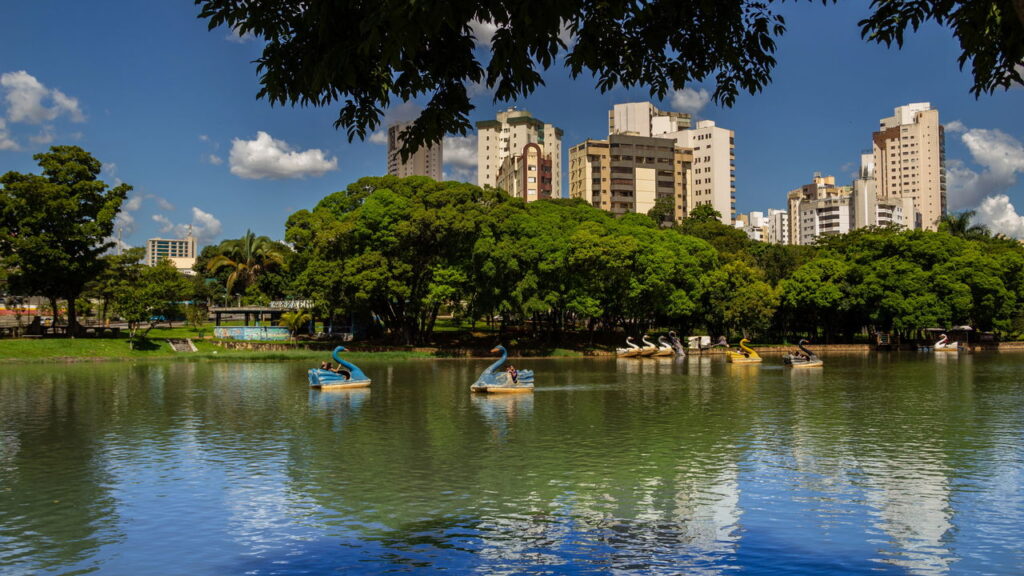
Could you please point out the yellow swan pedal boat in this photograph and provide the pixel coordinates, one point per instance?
(745, 355)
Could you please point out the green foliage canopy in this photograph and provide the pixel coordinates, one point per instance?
(370, 54)
(55, 226)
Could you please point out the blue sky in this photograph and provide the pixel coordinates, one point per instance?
(170, 108)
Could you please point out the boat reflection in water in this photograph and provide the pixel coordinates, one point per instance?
(501, 411)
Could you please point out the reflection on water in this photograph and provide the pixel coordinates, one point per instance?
(873, 464)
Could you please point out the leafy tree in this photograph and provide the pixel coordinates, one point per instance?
(991, 34)
(117, 268)
(147, 292)
(55, 226)
(704, 213)
(662, 211)
(736, 297)
(399, 254)
(704, 222)
(369, 54)
(247, 258)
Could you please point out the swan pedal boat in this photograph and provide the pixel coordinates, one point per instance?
(664, 348)
(494, 381)
(330, 380)
(750, 357)
(649, 348)
(944, 345)
(631, 351)
(796, 361)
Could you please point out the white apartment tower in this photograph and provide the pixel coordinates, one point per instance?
(910, 163)
(777, 227)
(644, 119)
(714, 165)
(507, 136)
(870, 210)
(424, 162)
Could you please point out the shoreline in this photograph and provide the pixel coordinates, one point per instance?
(66, 351)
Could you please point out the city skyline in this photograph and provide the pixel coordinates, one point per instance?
(176, 117)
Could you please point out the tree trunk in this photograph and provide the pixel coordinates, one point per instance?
(54, 309)
(1019, 6)
(72, 316)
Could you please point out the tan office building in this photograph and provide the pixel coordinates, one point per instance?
(627, 173)
(527, 175)
(426, 161)
(507, 136)
(910, 162)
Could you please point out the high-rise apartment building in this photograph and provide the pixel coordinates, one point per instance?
(628, 173)
(818, 209)
(426, 161)
(777, 227)
(507, 136)
(870, 210)
(910, 163)
(644, 119)
(714, 165)
(180, 251)
(527, 175)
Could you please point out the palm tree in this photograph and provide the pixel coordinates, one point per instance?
(959, 224)
(247, 257)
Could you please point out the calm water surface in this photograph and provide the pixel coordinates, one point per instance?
(901, 464)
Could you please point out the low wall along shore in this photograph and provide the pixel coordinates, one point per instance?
(533, 352)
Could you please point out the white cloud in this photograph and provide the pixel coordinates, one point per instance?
(266, 157)
(131, 203)
(566, 35)
(124, 222)
(204, 226)
(999, 215)
(474, 89)
(955, 126)
(483, 32)
(237, 37)
(1000, 155)
(25, 97)
(214, 159)
(204, 138)
(45, 136)
(161, 202)
(460, 158)
(689, 100)
(6, 142)
(460, 150)
(109, 172)
(379, 137)
(165, 223)
(460, 174)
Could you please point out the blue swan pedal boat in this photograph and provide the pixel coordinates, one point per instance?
(350, 377)
(497, 381)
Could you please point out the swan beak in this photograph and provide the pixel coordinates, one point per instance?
(493, 350)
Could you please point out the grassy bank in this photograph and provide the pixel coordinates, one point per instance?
(117, 349)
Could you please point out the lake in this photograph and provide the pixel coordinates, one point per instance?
(908, 463)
